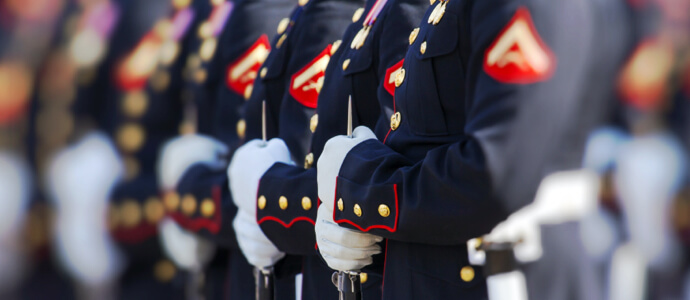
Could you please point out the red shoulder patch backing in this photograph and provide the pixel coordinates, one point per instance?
(389, 80)
(518, 55)
(242, 72)
(306, 84)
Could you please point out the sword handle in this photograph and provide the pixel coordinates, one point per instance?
(348, 284)
(263, 279)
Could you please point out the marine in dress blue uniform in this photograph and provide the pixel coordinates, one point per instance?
(223, 61)
(468, 141)
(290, 81)
(368, 76)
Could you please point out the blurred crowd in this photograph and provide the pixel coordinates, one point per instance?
(345, 149)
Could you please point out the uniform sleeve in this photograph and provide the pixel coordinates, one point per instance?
(512, 136)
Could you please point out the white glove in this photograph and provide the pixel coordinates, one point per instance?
(80, 180)
(255, 246)
(15, 184)
(342, 248)
(182, 152)
(332, 158)
(248, 165)
(187, 250)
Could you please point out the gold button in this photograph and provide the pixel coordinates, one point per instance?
(261, 203)
(341, 205)
(346, 64)
(130, 213)
(306, 203)
(400, 77)
(309, 160)
(169, 52)
(130, 137)
(164, 271)
(313, 123)
(163, 29)
(413, 35)
(395, 120)
(263, 72)
(193, 61)
(241, 128)
(171, 201)
(200, 76)
(363, 277)
(187, 127)
(131, 167)
(135, 104)
(188, 204)
(208, 208)
(248, 91)
(282, 202)
(431, 2)
(205, 30)
(358, 210)
(422, 48)
(283, 25)
(358, 14)
(207, 49)
(467, 273)
(303, 2)
(281, 40)
(335, 46)
(154, 210)
(384, 211)
(160, 80)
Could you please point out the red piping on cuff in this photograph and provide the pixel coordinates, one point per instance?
(135, 235)
(395, 226)
(288, 225)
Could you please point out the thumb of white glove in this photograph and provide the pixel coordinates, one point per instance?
(343, 249)
(328, 166)
(255, 246)
(181, 153)
(249, 163)
(187, 250)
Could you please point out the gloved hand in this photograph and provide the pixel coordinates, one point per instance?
(332, 158)
(188, 251)
(257, 248)
(15, 185)
(182, 152)
(248, 165)
(80, 180)
(342, 248)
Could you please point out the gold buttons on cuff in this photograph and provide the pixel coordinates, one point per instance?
(395, 120)
(130, 213)
(248, 91)
(335, 46)
(306, 203)
(384, 211)
(422, 48)
(283, 25)
(467, 273)
(358, 14)
(208, 208)
(261, 203)
(313, 123)
(341, 205)
(171, 201)
(188, 204)
(363, 277)
(164, 271)
(346, 64)
(400, 77)
(154, 210)
(282, 202)
(357, 210)
(309, 161)
(413, 35)
(263, 72)
(241, 128)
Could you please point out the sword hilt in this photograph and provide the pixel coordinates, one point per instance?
(348, 284)
(263, 278)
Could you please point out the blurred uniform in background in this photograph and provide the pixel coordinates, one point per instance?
(221, 64)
